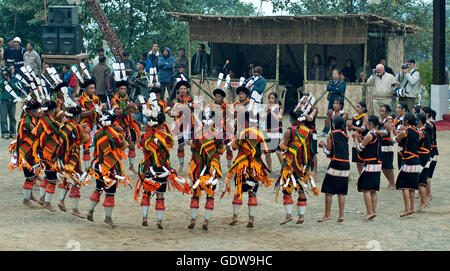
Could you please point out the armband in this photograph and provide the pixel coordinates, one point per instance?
(327, 152)
(360, 147)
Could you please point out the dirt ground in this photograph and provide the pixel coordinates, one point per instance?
(22, 228)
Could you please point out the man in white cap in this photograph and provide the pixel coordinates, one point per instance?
(17, 54)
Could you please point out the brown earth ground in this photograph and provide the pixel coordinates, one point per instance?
(22, 228)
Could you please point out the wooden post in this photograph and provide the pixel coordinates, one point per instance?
(277, 69)
(305, 66)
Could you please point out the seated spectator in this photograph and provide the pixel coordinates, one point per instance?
(349, 71)
(70, 78)
(331, 65)
(317, 71)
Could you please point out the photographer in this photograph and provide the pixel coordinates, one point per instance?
(382, 83)
(7, 104)
(139, 82)
(336, 88)
(409, 79)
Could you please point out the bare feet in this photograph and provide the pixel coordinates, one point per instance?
(90, 216)
(369, 216)
(340, 219)
(144, 222)
(390, 187)
(108, 220)
(159, 224)
(41, 201)
(325, 218)
(373, 216)
(422, 206)
(234, 220)
(192, 225)
(28, 203)
(286, 220)
(405, 213)
(75, 212)
(62, 206)
(300, 220)
(48, 206)
(205, 225)
(33, 198)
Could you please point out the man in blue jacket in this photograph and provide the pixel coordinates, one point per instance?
(336, 88)
(165, 72)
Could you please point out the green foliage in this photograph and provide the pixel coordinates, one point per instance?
(426, 74)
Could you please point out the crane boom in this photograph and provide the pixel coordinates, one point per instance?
(108, 32)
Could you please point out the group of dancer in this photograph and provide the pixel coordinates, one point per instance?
(52, 131)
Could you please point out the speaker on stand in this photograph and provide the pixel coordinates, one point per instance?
(62, 35)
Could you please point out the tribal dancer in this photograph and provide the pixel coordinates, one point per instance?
(408, 178)
(434, 153)
(273, 127)
(204, 168)
(359, 126)
(239, 108)
(223, 114)
(297, 163)
(387, 148)
(369, 151)
(155, 171)
(91, 109)
(248, 167)
(163, 107)
(424, 155)
(71, 135)
(123, 109)
(401, 110)
(44, 151)
(336, 178)
(308, 114)
(22, 150)
(183, 112)
(106, 167)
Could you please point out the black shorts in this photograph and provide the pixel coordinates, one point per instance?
(100, 184)
(431, 169)
(355, 158)
(27, 173)
(423, 176)
(247, 187)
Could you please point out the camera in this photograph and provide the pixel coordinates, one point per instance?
(404, 66)
(374, 71)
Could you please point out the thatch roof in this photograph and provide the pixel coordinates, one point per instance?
(304, 29)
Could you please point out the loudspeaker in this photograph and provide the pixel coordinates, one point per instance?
(63, 15)
(70, 40)
(50, 42)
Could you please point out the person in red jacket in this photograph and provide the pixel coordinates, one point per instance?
(70, 78)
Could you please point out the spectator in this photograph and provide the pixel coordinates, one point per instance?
(360, 72)
(349, 71)
(260, 84)
(386, 67)
(331, 65)
(336, 89)
(100, 52)
(317, 71)
(153, 58)
(32, 58)
(70, 78)
(342, 76)
(200, 60)
(17, 53)
(178, 77)
(1, 53)
(382, 83)
(181, 60)
(8, 56)
(409, 80)
(87, 64)
(139, 82)
(129, 64)
(165, 72)
(101, 73)
(216, 71)
(7, 104)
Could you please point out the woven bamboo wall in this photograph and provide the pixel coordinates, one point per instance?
(395, 52)
(353, 92)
